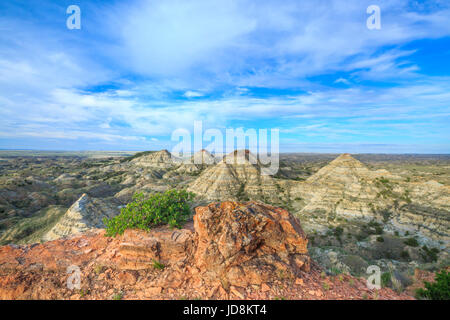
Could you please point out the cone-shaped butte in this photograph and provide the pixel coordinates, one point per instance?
(158, 159)
(237, 177)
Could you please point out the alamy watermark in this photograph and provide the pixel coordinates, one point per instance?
(74, 279)
(74, 20)
(250, 145)
(374, 21)
(374, 279)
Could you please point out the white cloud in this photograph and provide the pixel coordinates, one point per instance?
(108, 115)
(116, 78)
(342, 80)
(251, 43)
(192, 94)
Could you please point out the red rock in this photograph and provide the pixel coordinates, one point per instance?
(265, 287)
(139, 248)
(238, 292)
(126, 278)
(233, 246)
(248, 243)
(153, 291)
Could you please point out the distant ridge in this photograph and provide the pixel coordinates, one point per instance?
(160, 159)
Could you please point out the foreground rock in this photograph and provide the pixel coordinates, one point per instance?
(239, 244)
(247, 244)
(231, 250)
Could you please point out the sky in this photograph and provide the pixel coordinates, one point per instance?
(138, 70)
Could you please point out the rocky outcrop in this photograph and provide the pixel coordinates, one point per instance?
(248, 243)
(237, 177)
(139, 250)
(241, 243)
(86, 213)
(158, 159)
(231, 251)
(346, 188)
(195, 164)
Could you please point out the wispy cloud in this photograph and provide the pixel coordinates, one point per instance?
(139, 70)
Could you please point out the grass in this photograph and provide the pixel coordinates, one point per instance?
(385, 279)
(99, 269)
(83, 292)
(118, 296)
(335, 271)
(158, 265)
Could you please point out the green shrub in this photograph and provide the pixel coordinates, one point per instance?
(338, 231)
(437, 290)
(170, 207)
(404, 255)
(412, 242)
(378, 230)
(380, 239)
(430, 255)
(374, 227)
(385, 279)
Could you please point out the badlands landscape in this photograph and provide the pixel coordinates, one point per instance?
(308, 232)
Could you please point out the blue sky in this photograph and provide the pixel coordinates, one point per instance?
(138, 70)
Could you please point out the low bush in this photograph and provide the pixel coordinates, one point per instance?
(412, 242)
(171, 207)
(430, 255)
(404, 255)
(338, 231)
(437, 290)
